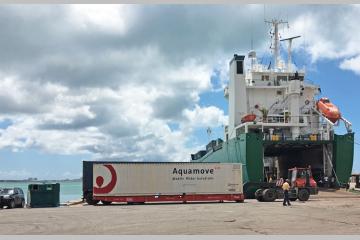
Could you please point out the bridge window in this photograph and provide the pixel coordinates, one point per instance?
(239, 67)
(281, 78)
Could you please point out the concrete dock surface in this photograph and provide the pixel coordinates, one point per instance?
(329, 212)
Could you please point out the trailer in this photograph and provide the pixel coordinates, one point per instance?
(141, 182)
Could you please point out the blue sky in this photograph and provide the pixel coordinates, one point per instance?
(145, 82)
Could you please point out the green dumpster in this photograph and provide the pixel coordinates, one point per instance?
(44, 195)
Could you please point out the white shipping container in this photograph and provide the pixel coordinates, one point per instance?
(135, 179)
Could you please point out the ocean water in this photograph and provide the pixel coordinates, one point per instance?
(68, 190)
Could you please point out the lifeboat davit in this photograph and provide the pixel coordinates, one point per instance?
(248, 118)
(329, 110)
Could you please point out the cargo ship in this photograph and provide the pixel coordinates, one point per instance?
(277, 123)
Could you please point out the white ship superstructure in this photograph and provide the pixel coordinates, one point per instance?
(283, 101)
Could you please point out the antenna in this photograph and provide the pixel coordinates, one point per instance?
(252, 32)
(304, 30)
(289, 50)
(209, 131)
(264, 13)
(275, 24)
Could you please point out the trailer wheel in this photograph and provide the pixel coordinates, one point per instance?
(106, 202)
(303, 194)
(258, 195)
(269, 195)
(89, 199)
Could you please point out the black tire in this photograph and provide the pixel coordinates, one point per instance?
(11, 204)
(106, 202)
(22, 204)
(269, 195)
(303, 195)
(280, 194)
(292, 199)
(89, 199)
(258, 195)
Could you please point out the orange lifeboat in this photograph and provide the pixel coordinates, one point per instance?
(248, 118)
(329, 110)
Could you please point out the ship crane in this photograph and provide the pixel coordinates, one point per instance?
(347, 124)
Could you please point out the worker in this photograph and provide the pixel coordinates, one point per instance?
(286, 188)
(332, 184)
(347, 186)
(326, 182)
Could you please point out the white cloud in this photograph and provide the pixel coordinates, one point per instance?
(111, 18)
(109, 80)
(19, 96)
(315, 38)
(205, 117)
(352, 64)
(329, 32)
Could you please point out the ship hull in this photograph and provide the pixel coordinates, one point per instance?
(250, 149)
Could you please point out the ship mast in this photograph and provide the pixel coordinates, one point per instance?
(289, 51)
(276, 46)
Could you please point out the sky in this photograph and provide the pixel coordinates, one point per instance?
(145, 82)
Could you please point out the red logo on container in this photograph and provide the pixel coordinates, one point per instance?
(100, 180)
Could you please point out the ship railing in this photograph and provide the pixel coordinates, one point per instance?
(281, 118)
(274, 118)
(287, 137)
